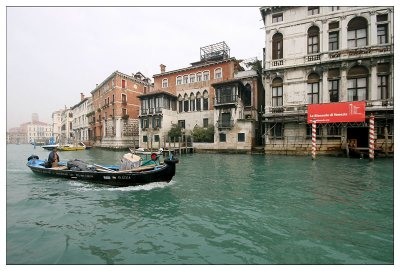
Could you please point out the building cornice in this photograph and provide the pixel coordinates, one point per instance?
(206, 64)
(122, 75)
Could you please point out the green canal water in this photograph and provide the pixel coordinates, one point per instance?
(219, 209)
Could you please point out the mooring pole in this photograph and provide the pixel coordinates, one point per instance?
(371, 137)
(314, 139)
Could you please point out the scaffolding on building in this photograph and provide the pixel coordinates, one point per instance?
(215, 52)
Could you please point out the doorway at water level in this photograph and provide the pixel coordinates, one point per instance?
(360, 134)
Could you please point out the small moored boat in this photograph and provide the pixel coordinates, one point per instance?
(124, 175)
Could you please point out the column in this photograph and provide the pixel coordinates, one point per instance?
(118, 128)
(373, 87)
(324, 90)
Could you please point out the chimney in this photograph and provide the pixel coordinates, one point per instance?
(82, 96)
(162, 67)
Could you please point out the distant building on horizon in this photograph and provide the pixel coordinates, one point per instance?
(34, 131)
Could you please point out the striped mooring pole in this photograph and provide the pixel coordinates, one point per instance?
(314, 139)
(371, 137)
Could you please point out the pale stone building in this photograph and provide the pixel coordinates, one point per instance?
(80, 124)
(56, 124)
(321, 55)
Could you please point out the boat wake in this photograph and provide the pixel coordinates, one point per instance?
(146, 187)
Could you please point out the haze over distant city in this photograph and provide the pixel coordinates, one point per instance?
(55, 53)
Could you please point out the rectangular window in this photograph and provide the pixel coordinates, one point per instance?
(185, 79)
(199, 77)
(334, 131)
(165, 83)
(206, 76)
(313, 93)
(333, 41)
(333, 90)
(181, 124)
(357, 38)
(145, 123)
(313, 46)
(313, 10)
(205, 122)
(192, 78)
(241, 137)
(123, 96)
(276, 130)
(179, 80)
(309, 130)
(145, 138)
(277, 96)
(156, 122)
(357, 89)
(123, 83)
(383, 88)
(276, 18)
(124, 112)
(218, 73)
(382, 34)
(222, 137)
(156, 138)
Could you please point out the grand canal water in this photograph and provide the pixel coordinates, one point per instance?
(219, 209)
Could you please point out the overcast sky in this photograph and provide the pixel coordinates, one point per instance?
(55, 53)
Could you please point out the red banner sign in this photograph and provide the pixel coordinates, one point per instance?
(336, 112)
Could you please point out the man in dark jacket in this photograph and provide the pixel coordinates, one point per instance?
(54, 158)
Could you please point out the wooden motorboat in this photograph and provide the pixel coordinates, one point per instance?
(107, 174)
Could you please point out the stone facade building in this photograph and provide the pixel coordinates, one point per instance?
(210, 92)
(80, 125)
(115, 110)
(56, 125)
(321, 55)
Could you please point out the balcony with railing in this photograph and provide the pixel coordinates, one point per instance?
(225, 100)
(277, 62)
(313, 57)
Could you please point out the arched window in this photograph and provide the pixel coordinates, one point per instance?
(313, 88)
(205, 100)
(186, 103)
(277, 46)
(198, 101)
(277, 92)
(313, 40)
(180, 103)
(357, 83)
(357, 32)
